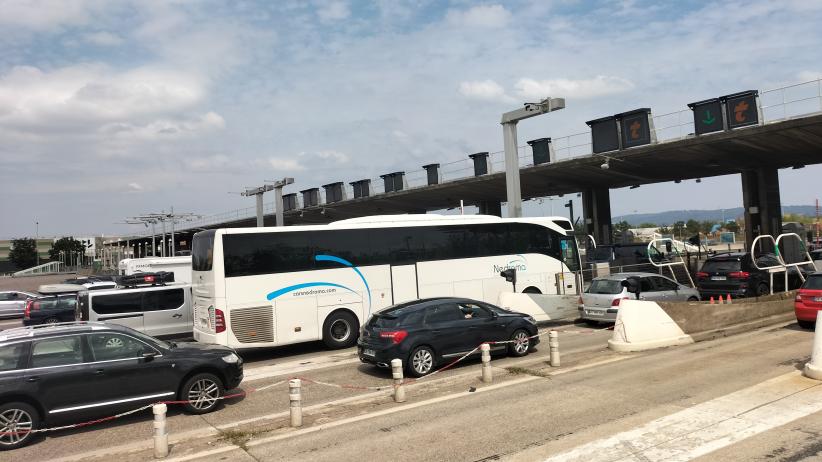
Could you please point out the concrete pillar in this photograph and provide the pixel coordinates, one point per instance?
(763, 209)
(596, 211)
(490, 208)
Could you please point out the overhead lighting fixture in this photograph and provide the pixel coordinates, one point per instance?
(699, 180)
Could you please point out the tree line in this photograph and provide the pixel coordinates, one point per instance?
(23, 251)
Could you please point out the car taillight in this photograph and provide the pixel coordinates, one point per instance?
(219, 321)
(396, 336)
(617, 301)
(739, 275)
(148, 279)
(798, 298)
(27, 313)
(702, 275)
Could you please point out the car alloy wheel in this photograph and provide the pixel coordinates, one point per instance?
(203, 394)
(422, 361)
(520, 343)
(16, 424)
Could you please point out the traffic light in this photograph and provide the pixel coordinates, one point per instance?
(636, 127)
(510, 275)
(633, 286)
(707, 116)
(741, 109)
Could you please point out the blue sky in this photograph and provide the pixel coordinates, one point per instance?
(110, 109)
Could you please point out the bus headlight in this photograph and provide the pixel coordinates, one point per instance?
(231, 358)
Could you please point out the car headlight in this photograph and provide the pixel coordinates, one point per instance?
(531, 319)
(231, 358)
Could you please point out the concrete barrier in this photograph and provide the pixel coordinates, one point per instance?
(542, 307)
(704, 321)
(642, 325)
(646, 325)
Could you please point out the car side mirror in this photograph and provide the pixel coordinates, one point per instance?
(149, 356)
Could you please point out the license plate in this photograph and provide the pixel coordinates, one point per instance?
(718, 278)
(594, 313)
(368, 352)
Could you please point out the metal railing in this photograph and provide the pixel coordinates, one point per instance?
(777, 104)
(45, 268)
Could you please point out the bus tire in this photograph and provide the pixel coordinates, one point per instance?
(340, 330)
(531, 290)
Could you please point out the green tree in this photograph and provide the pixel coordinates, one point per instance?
(706, 226)
(692, 226)
(732, 226)
(647, 225)
(679, 228)
(622, 226)
(23, 252)
(65, 245)
(664, 230)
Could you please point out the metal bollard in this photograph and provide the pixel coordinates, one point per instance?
(813, 368)
(553, 347)
(396, 373)
(160, 431)
(487, 376)
(296, 402)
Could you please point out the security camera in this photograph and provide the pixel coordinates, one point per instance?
(605, 166)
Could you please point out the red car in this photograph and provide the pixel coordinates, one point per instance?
(809, 301)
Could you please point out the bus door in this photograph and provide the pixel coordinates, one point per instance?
(404, 283)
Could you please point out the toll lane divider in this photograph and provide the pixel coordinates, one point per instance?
(243, 393)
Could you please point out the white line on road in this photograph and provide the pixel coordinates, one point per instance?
(709, 426)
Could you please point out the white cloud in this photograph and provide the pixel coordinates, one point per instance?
(806, 76)
(135, 187)
(601, 85)
(333, 156)
(285, 165)
(43, 15)
(491, 16)
(333, 11)
(103, 39)
(485, 90)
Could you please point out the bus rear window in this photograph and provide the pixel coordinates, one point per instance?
(202, 251)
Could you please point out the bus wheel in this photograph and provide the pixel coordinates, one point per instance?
(340, 330)
(531, 290)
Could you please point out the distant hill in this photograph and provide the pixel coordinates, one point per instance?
(672, 216)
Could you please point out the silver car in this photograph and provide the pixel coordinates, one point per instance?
(13, 303)
(600, 303)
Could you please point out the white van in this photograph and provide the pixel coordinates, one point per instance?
(159, 311)
(180, 266)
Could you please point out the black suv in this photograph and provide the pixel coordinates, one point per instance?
(50, 309)
(66, 373)
(735, 274)
(428, 332)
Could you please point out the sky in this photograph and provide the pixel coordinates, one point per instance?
(110, 109)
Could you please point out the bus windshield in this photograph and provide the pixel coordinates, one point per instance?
(570, 254)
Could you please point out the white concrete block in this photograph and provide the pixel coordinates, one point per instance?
(642, 325)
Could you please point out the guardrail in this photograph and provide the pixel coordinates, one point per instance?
(45, 268)
(777, 104)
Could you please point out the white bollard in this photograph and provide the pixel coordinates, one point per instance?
(487, 376)
(553, 347)
(296, 402)
(396, 373)
(813, 369)
(160, 431)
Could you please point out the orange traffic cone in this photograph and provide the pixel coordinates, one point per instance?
(712, 299)
(721, 301)
(729, 299)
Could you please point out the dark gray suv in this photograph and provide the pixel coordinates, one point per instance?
(65, 373)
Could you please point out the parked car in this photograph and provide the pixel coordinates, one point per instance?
(73, 372)
(13, 303)
(600, 302)
(426, 333)
(808, 301)
(162, 310)
(50, 309)
(735, 274)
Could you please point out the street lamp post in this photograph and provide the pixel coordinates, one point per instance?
(36, 239)
(509, 135)
(278, 198)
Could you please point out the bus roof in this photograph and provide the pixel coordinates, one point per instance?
(559, 224)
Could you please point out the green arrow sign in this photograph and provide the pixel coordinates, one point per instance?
(709, 119)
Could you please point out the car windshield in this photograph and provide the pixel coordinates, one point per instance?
(721, 266)
(605, 286)
(813, 283)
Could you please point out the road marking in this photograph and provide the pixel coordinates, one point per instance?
(709, 426)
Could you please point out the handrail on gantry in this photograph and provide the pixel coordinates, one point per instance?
(670, 264)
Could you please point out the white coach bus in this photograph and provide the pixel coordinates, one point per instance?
(264, 287)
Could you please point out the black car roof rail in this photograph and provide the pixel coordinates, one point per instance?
(29, 331)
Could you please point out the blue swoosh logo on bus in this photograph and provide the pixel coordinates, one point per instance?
(285, 290)
(350, 265)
